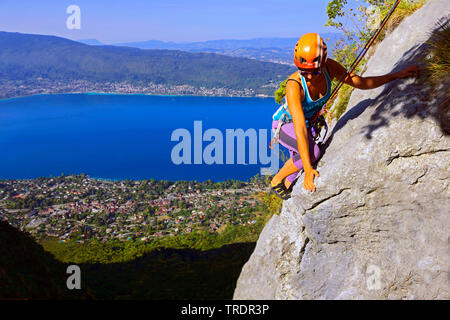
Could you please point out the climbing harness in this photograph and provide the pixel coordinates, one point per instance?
(281, 114)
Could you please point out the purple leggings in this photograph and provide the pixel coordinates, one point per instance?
(289, 140)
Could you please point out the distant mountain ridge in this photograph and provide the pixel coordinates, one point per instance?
(226, 44)
(265, 49)
(91, 42)
(31, 60)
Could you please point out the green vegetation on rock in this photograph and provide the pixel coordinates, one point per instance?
(354, 25)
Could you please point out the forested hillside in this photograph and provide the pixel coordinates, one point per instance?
(34, 59)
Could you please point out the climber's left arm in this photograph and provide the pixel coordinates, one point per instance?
(338, 71)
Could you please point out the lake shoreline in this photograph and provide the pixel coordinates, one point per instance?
(93, 93)
(114, 180)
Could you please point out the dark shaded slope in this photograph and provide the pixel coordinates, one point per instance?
(171, 274)
(27, 271)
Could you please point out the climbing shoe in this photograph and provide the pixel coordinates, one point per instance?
(281, 191)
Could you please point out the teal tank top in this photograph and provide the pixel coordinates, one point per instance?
(310, 107)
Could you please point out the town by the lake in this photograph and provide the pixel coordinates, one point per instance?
(78, 208)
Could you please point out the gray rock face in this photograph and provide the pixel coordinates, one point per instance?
(378, 225)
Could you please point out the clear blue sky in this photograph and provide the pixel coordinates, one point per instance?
(170, 20)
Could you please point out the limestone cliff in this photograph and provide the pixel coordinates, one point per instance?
(378, 225)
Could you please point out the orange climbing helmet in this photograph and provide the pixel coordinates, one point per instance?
(310, 52)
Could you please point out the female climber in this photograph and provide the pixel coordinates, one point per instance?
(307, 91)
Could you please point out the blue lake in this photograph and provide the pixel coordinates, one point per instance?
(124, 136)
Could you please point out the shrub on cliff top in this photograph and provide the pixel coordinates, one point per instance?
(437, 63)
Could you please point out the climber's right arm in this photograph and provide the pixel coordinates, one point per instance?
(294, 95)
(338, 71)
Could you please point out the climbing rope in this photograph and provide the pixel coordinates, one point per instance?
(355, 64)
(348, 72)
